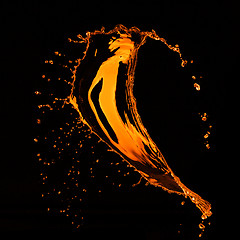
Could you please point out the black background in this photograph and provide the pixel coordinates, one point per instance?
(31, 30)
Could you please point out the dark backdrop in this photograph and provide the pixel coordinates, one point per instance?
(31, 30)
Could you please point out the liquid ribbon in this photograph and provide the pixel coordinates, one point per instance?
(102, 93)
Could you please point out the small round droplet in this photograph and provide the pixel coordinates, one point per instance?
(37, 92)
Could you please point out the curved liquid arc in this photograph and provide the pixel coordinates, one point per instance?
(102, 93)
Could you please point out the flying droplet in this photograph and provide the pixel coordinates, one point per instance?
(204, 117)
(182, 203)
(201, 226)
(206, 135)
(37, 92)
(197, 86)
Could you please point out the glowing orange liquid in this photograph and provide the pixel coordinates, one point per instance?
(109, 61)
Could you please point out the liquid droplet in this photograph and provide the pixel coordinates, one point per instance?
(206, 135)
(37, 92)
(204, 117)
(197, 86)
(207, 146)
(201, 226)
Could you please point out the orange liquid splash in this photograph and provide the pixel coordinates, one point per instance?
(110, 111)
